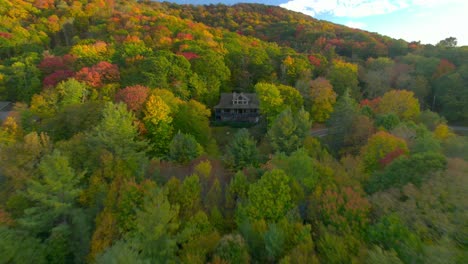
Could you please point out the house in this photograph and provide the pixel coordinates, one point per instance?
(238, 107)
(5, 110)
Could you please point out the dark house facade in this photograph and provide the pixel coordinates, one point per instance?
(238, 107)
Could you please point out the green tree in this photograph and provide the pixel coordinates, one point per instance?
(387, 121)
(377, 256)
(342, 118)
(271, 102)
(241, 151)
(184, 148)
(288, 131)
(20, 247)
(55, 193)
(291, 97)
(344, 76)
(22, 78)
(120, 253)
(449, 42)
(390, 233)
(415, 169)
(232, 249)
(71, 92)
(117, 134)
(156, 226)
(270, 197)
(192, 118)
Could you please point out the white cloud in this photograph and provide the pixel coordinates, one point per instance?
(357, 8)
(354, 24)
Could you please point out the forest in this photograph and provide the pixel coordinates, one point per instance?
(111, 154)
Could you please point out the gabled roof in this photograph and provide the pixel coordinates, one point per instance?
(226, 101)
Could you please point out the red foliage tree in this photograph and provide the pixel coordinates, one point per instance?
(391, 157)
(101, 73)
(51, 64)
(133, 96)
(89, 76)
(443, 68)
(56, 77)
(344, 207)
(189, 55)
(5, 35)
(315, 61)
(109, 72)
(373, 103)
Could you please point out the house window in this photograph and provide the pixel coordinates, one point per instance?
(239, 99)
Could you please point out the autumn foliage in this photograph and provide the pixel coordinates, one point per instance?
(99, 74)
(382, 146)
(133, 96)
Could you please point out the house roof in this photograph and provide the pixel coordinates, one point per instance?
(226, 101)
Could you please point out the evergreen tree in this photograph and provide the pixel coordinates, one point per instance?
(340, 122)
(288, 131)
(241, 151)
(184, 148)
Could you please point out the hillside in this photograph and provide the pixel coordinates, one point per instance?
(114, 151)
(293, 29)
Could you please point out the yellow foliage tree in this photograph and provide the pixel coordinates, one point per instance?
(156, 110)
(401, 102)
(442, 131)
(323, 99)
(158, 122)
(378, 147)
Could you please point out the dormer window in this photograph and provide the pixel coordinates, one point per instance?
(239, 99)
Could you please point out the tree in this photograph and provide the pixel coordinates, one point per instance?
(232, 249)
(99, 74)
(291, 97)
(377, 256)
(442, 132)
(192, 118)
(184, 148)
(344, 76)
(158, 122)
(387, 121)
(378, 146)
(449, 42)
(19, 247)
(342, 118)
(414, 169)
(71, 92)
(55, 193)
(378, 76)
(400, 102)
(21, 78)
(270, 197)
(133, 96)
(156, 225)
(390, 233)
(117, 133)
(322, 99)
(241, 151)
(300, 167)
(289, 130)
(271, 102)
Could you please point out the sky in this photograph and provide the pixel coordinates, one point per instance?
(428, 21)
